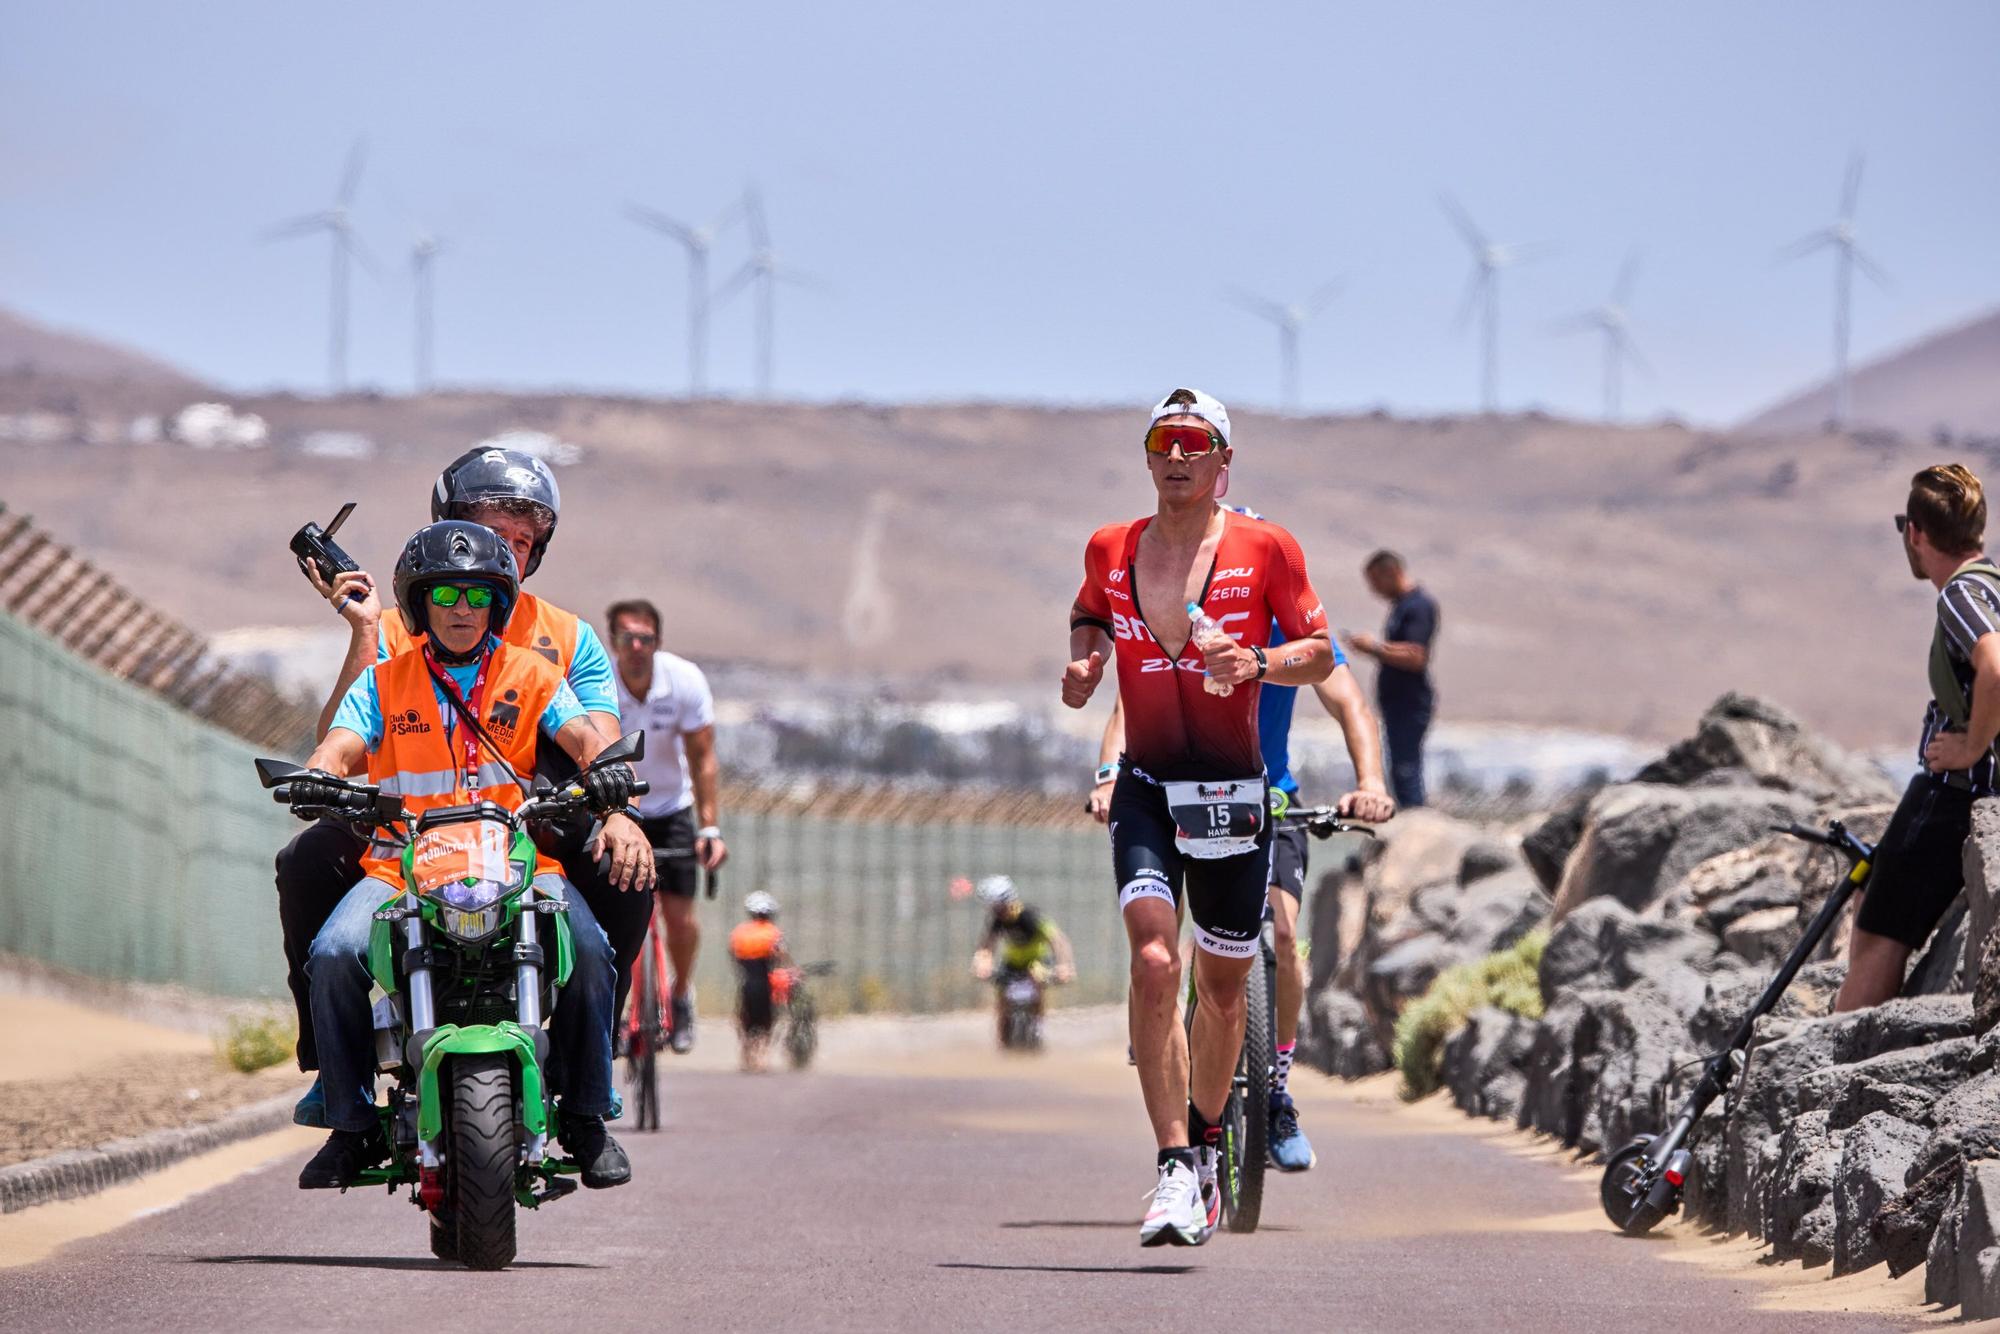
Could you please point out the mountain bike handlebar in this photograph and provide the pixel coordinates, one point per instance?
(1324, 822)
(1835, 836)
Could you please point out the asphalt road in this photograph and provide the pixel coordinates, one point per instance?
(925, 1184)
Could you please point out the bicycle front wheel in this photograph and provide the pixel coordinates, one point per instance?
(1249, 1119)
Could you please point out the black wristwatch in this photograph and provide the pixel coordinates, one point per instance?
(1263, 663)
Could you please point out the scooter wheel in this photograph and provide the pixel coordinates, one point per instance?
(1625, 1188)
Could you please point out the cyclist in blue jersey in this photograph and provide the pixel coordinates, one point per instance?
(1340, 694)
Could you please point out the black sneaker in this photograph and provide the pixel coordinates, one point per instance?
(341, 1160)
(604, 1164)
(683, 1036)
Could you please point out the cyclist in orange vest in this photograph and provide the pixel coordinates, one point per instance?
(516, 496)
(758, 947)
(406, 722)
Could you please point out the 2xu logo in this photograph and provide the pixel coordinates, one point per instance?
(1240, 572)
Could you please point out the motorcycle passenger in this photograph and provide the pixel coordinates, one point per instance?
(758, 947)
(516, 496)
(454, 720)
(1028, 943)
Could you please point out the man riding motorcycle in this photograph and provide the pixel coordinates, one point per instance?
(450, 721)
(516, 496)
(1027, 941)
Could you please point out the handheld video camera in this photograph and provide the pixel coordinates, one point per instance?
(314, 543)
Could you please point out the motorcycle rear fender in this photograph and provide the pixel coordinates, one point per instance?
(474, 1040)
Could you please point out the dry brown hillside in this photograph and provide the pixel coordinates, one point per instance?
(1948, 382)
(1608, 579)
(31, 349)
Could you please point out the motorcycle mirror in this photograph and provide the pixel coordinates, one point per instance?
(273, 772)
(631, 746)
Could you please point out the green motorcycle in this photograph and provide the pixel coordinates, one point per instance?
(466, 979)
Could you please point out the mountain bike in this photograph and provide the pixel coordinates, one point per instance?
(1246, 1121)
(648, 1028)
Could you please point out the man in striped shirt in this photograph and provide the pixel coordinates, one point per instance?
(1918, 866)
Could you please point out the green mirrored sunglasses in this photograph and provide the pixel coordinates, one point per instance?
(476, 595)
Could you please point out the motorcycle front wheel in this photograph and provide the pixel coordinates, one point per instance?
(480, 1154)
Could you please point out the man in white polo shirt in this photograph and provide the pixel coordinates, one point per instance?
(667, 698)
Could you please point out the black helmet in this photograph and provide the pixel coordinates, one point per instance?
(455, 552)
(483, 475)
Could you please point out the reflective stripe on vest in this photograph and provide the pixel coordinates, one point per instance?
(545, 630)
(415, 759)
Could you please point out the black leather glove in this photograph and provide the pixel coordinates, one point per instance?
(317, 787)
(609, 789)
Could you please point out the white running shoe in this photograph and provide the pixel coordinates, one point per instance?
(1206, 1162)
(1178, 1216)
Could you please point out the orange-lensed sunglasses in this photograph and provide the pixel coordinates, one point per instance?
(1194, 441)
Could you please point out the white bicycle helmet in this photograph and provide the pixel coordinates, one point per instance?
(760, 904)
(997, 891)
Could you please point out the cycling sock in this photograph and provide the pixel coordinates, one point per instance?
(1284, 1065)
(1201, 1133)
(1185, 1157)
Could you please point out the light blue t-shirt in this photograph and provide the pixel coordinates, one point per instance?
(590, 676)
(360, 708)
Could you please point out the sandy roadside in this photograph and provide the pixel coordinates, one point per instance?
(1778, 1286)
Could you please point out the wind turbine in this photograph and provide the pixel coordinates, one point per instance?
(1611, 320)
(336, 223)
(1483, 290)
(422, 254)
(1848, 256)
(766, 272)
(699, 241)
(1289, 319)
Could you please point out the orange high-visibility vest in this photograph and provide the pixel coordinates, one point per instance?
(541, 627)
(423, 765)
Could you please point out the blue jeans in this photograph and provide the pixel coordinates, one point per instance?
(344, 1026)
(1405, 729)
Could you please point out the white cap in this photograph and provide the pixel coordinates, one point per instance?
(1208, 409)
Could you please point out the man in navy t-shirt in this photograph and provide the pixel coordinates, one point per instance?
(1403, 681)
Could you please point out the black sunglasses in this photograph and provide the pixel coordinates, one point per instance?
(1902, 522)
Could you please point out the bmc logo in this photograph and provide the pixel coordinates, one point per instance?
(1130, 627)
(1240, 572)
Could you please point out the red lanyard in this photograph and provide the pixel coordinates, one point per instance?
(470, 709)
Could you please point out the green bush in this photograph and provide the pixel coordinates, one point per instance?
(1507, 980)
(252, 1042)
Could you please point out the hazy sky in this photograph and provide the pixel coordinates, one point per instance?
(1015, 201)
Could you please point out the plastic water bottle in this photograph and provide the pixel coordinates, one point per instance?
(1208, 630)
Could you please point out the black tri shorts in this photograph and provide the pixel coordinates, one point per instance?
(1225, 896)
(1919, 865)
(673, 832)
(1288, 860)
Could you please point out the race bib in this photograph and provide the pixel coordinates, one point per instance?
(1216, 820)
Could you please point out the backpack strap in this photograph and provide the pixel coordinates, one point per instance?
(1950, 696)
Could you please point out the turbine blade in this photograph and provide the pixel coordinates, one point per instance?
(731, 211)
(304, 225)
(1850, 189)
(753, 217)
(1621, 291)
(1528, 252)
(1630, 351)
(737, 282)
(1256, 305)
(362, 256)
(1463, 221)
(791, 277)
(660, 222)
(1323, 296)
(1475, 288)
(350, 177)
(1587, 322)
(1868, 266)
(1805, 245)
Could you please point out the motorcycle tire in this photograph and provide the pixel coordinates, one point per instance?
(444, 1236)
(1247, 1124)
(1618, 1191)
(480, 1154)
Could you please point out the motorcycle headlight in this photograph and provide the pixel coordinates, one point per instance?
(470, 909)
